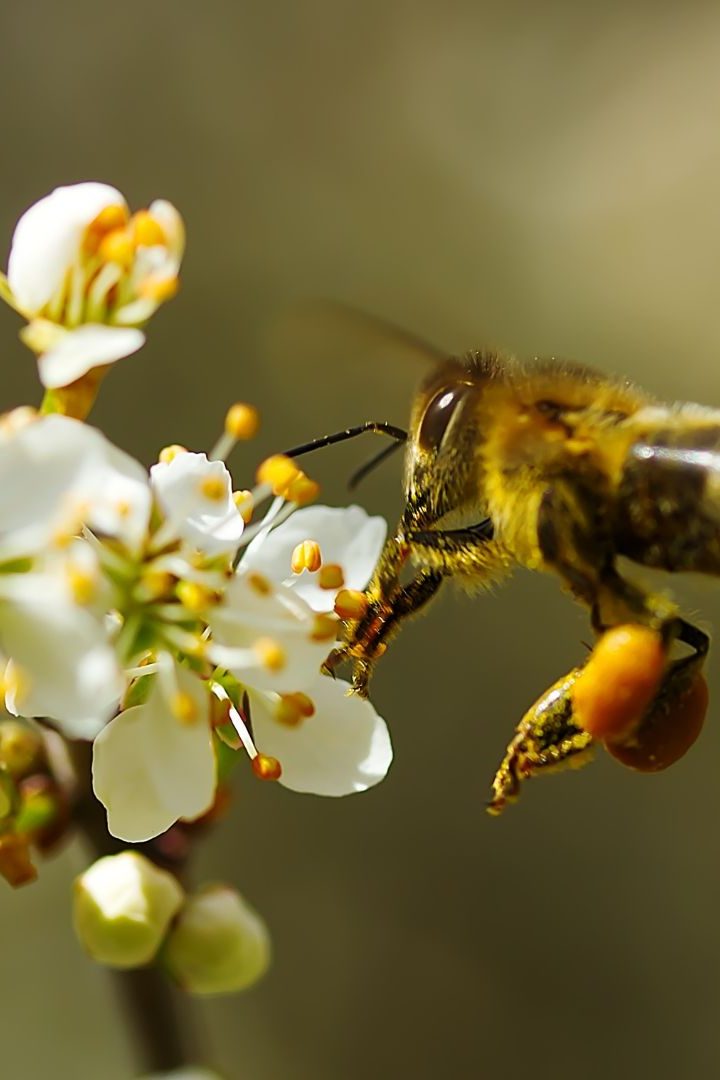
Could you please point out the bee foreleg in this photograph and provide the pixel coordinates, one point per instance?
(388, 603)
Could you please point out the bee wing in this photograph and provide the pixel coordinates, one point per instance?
(330, 331)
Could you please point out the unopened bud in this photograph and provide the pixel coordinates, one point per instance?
(20, 747)
(16, 866)
(123, 906)
(218, 944)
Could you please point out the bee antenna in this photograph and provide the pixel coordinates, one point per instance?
(359, 475)
(379, 427)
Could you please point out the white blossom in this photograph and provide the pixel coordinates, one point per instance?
(154, 763)
(342, 748)
(86, 275)
(196, 497)
(347, 536)
(255, 612)
(56, 474)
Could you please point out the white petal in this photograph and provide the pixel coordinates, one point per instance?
(212, 525)
(168, 216)
(346, 535)
(87, 347)
(343, 748)
(69, 672)
(55, 465)
(247, 615)
(149, 768)
(47, 238)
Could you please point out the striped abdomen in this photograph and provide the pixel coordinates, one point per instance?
(668, 504)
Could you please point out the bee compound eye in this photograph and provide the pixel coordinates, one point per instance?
(438, 415)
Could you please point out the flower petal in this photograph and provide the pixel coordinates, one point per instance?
(346, 535)
(196, 496)
(248, 614)
(343, 748)
(67, 670)
(150, 768)
(87, 347)
(57, 468)
(47, 238)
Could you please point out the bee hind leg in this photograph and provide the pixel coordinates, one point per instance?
(547, 739)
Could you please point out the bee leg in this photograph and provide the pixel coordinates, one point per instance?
(387, 604)
(547, 739)
(469, 552)
(370, 643)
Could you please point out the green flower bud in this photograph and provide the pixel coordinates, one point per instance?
(123, 906)
(20, 747)
(218, 944)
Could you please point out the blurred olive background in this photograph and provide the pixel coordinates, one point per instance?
(535, 176)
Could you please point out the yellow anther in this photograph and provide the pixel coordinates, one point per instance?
(304, 704)
(214, 488)
(287, 712)
(83, 585)
(244, 502)
(123, 508)
(324, 628)
(259, 583)
(350, 604)
(278, 472)
(266, 767)
(156, 583)
(196, 598)
(117, 246)
(183, 707)
(270, 653)
(110, 219)
(292, 709)
(169, 453)
(242, 421)
(147, 230)
(331, 576)
(158, 289)
(302, 490)
(306, 556)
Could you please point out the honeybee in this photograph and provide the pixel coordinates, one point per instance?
(557, 468)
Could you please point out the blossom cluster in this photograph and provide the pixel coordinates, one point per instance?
(173, 620)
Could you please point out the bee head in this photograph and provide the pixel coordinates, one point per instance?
(441, 470)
